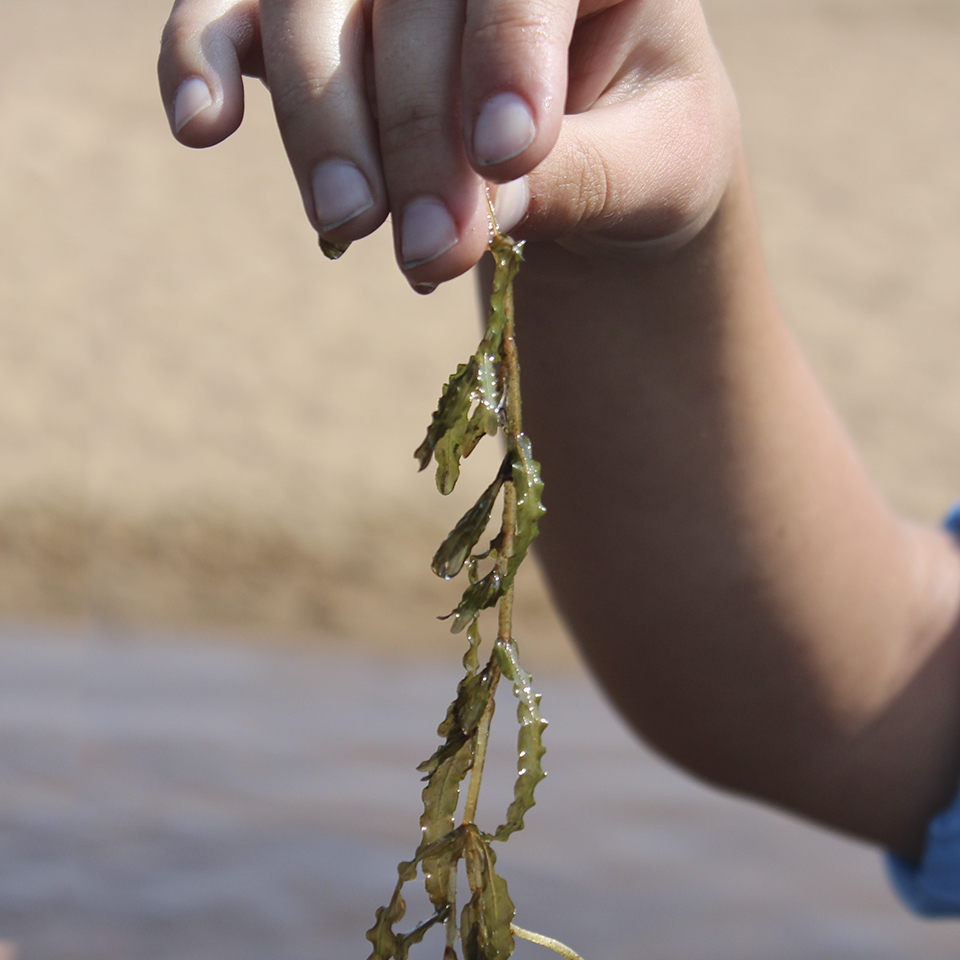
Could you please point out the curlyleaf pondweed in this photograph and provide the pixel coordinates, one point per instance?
(480, 398)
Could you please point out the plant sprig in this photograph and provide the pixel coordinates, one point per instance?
(481, 398)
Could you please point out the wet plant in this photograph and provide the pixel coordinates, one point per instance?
(480, 399)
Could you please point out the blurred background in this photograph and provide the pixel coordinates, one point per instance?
(219, 661)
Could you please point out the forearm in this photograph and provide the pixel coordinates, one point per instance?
(747, 598)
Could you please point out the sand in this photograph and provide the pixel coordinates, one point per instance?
(204, 422)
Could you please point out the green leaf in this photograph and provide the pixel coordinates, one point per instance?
(440, 797)
(470, 657)
(478, 596)
(334, 249)
(470, 929)
(530, 748)
(457, 444)
(485, 920)
(449, 559)
(482, 423)
(529, 487)
(381, 934)
(507, 256)
(405, 942)
(447, 453)
(454, 404)
(488, 387)
(462, 719)
(386, 943)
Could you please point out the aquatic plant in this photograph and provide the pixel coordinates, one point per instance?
(481, 398)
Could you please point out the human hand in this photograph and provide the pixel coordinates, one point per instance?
(610, 122)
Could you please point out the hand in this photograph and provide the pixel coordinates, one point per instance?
(610, 121)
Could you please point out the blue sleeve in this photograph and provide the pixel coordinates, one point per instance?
(931, 887)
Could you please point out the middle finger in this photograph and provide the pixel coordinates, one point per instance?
(437, 200)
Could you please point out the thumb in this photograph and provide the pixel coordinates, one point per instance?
(648, 171)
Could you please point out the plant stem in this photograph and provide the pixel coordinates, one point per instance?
(547, 942)
(479, 756)
(511, 364)
(513, 427)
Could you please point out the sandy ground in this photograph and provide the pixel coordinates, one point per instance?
(203, 422)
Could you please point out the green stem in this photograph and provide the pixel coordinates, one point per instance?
(479, 757)
(513, 427)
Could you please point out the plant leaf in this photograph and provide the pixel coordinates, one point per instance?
(488, 386)
(334, 249)
(482, 423)
(447, 452)
(530, 748)
(457, 444)
(385, 941)
(507, 256)
(486, 918)
(462, 719)
(381, 934)
(470, 929)
(440, 797)
(529, 487)
(453, 405)
(449, 559)
(407, 940)
(478, 596)
(470, 657)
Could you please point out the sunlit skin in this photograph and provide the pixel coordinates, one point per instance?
(749, 600)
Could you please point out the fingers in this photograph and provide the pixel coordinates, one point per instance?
(466, 89)
(514, 69)
(461, 86)
(206, 47)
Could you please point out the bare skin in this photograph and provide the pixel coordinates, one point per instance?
(748, 599)
(743, 592)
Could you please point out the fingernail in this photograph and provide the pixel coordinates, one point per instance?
(340, 193)
(510, 204)
(426, 232)
(193, 97)
(424, 288)
(503, 129)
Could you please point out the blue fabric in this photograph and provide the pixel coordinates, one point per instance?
(952, 521)
(932, 886)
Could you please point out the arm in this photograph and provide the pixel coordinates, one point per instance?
(733, 577)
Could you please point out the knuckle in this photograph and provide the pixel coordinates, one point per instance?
(591, 199)
(496, 32)
(294, 97)
(413, 123)
(498, 24)
(176, 35)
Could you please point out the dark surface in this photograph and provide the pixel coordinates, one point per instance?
(191, 799)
